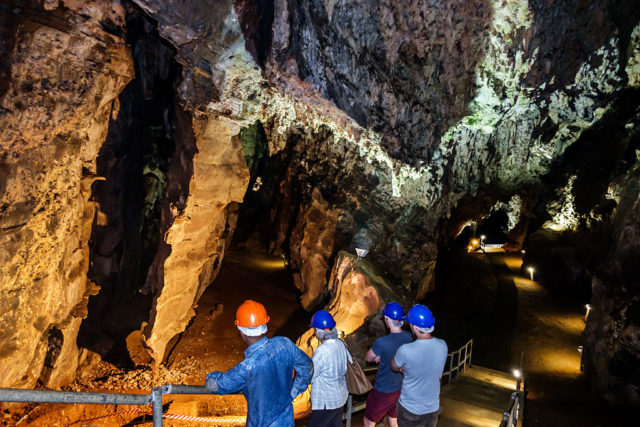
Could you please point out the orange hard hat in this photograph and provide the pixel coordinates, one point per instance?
(250, 314)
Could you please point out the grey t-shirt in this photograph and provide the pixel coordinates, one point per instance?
(423, 362)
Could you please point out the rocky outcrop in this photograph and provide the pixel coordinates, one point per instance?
(316, 228)
(612, 337)
(200, 233)
(66, 71)
(358, 292)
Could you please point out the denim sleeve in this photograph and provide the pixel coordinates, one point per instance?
(228, 382)
(304, 368)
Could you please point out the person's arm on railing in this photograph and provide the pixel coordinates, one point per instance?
(371, 357)
(228, 382)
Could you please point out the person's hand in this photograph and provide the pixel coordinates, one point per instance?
(377, 360)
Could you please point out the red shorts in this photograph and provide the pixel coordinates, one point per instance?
(381, 404)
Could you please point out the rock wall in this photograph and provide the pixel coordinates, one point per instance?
(66, 71)
(611, 354)
(200, 233)
(513, 114)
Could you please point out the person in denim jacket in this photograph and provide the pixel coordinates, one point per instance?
(265, 376)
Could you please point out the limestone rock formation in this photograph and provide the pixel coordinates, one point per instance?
(612, 337)
(199, 234)
(358, 293)
(65, 73)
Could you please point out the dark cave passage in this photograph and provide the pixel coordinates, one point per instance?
(489, 297)
(134, 162)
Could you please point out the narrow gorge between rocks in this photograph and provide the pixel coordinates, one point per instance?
(163, 161)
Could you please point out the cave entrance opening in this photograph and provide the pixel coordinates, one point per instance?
(134, 162)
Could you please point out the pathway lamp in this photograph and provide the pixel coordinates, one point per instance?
(518, 375)
(482, 240)
(531, 270)
(586, 315)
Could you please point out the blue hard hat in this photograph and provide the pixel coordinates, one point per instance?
(421, 316)
(323, 320)
(394, 311)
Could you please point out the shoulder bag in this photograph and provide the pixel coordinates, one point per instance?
(357, 381)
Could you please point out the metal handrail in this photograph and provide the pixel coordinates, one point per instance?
(461, 363)
(54, 396)
(511, 416)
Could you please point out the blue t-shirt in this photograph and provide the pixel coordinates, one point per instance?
(388, 381)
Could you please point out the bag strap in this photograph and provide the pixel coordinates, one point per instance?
(350, 356)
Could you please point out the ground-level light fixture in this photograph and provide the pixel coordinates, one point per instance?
(586, 315)
(531, 270)
(516, 373)
(580, 349)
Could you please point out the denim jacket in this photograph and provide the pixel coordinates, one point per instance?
(265, 377)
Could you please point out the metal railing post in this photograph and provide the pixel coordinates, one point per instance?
(156, 399)
(349, 409)
(450, 368)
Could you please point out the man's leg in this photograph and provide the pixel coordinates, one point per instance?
(392, 413)
(371, 412)
(406, 418)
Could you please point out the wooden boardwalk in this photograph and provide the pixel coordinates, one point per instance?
(478, 397)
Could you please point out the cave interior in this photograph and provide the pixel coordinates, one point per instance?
(163, 161)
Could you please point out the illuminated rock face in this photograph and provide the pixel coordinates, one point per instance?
(65, 74)
(358, 293)
(199, 235)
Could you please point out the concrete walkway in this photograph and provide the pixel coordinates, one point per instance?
(479, 397)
